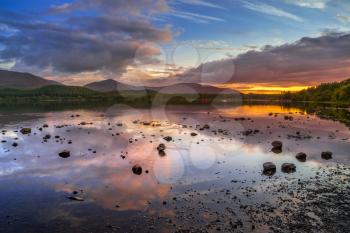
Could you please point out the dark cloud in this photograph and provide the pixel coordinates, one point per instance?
(92, 41)
(307, 61)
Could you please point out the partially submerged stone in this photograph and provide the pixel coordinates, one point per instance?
(277, 147)
(161, 149)
(75, 198)
(301, 157)
(277, 144)
(64, 154)
(327, 155)
(269, 169)
(288, 168)
(168, 138)
(137, 170)
(26, 130)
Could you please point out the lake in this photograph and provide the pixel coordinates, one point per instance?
(209, 178)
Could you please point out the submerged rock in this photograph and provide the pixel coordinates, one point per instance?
(326, 155)
(64, 154)
(269, 169)
(26, 130)
(288, 168)
(301, 157)
(137, 170)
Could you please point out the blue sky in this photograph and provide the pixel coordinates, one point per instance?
(186, 33)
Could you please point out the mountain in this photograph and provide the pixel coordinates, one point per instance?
(12, 79)
(189, 88)
(182, 88)
(110, 85)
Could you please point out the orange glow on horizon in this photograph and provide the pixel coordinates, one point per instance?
(262, 89)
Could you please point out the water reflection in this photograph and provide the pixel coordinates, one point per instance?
(105, 145)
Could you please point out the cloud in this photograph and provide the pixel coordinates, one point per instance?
(270, 10)
(198, 18)
(113, 7)
(308, 61)
(316, 4)
(115, 36)
(344, 18)
(201, 3)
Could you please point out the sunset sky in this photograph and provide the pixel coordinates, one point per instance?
(248, 45)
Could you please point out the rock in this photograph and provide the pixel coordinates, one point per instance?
(193, 134)
(301, 157)
(161, 149)
(276, 147)
(288, 168)
(47, 136)
(168, 138)
(277, 144)
(269, 169)
(206, 126)
(326, 155)
(26, 130)
(137, 170)
(15, 144)
(75, 198)
(64, 154)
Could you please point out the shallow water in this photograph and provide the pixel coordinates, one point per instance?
(200, 184)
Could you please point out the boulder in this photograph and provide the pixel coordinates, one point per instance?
(26, 130)
(326, 155)
(75, 198)
(168, 138)
(269, 169)
(194, 134)
(301, 157)
(277, 144)
(64, 154)
(137, 170)
(288, 168)
(161, 147)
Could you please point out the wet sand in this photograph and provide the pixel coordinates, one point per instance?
(209, 178)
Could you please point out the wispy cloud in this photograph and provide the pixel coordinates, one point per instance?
(198, 18)
(270, 10)
(344, 18)
(316, 4)
(201, 3)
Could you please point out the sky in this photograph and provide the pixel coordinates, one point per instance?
(248, 45)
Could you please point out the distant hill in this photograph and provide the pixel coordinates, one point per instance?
(327, 92)
(110, 85)
(188, 88)
(182, 88)
(12, 79)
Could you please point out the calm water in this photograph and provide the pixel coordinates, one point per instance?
(201, 183)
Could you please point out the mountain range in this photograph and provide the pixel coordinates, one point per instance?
(18, 80)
